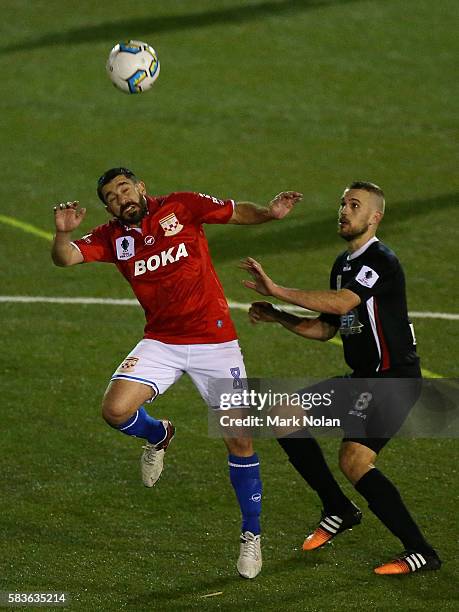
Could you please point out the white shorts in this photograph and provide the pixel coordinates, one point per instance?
(160, 365)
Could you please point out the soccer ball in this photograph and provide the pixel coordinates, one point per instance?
(133, 66)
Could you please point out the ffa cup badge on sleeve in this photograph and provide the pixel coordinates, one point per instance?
(125, 247)
(367, 277)
(171, 225)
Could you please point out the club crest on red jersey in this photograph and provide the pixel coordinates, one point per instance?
(171, 225)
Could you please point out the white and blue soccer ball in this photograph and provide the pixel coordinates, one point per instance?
(133, 66)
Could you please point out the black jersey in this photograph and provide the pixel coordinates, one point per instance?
(378, 338)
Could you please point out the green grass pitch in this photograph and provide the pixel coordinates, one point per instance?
(254, 96)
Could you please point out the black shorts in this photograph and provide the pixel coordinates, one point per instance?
(370, 410)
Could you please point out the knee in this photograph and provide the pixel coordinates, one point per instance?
(114, 413)
(354, 465)
(348, 465)
(240, 447)
(122, 398)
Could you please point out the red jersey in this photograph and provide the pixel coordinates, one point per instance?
(167, 263)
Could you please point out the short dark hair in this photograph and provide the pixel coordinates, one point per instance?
(367, 186)
(109, 175)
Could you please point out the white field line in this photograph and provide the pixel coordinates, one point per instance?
(30, 299)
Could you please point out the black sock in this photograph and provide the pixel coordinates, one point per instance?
(306, 457)
(385, 502)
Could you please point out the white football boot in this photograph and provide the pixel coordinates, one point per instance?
(152, 459)
(249, 562)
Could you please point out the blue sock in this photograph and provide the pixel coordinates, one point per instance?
(245, 478)
(142, 425)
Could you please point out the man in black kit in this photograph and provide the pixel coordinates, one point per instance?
(366, 303)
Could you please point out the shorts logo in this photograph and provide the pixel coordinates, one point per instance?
(128, 364)
(125, 247)
(367, 277)
(171, 225)
(149, 240)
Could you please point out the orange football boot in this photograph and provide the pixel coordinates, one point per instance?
(409, 561)
(330, 526)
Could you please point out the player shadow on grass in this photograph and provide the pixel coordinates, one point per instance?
(292, 235)
(228, 579)
(113, 31)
